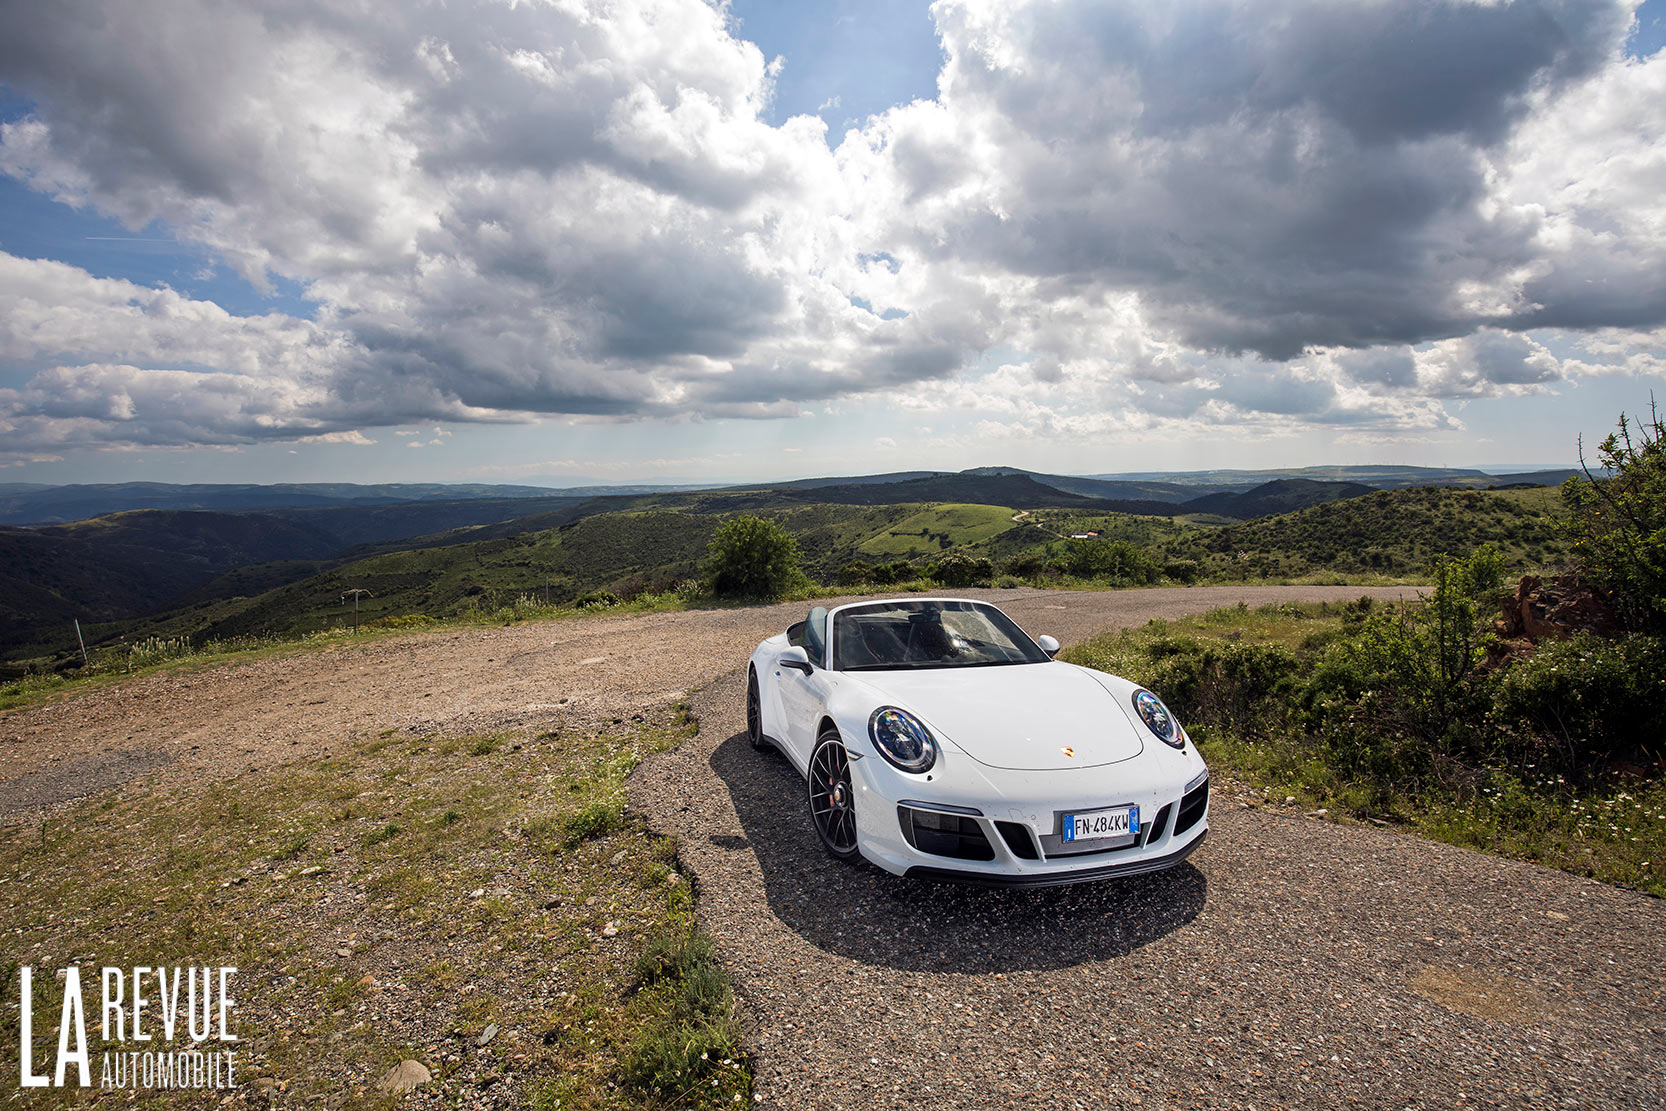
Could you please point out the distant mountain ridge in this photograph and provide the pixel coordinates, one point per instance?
(1282, 495)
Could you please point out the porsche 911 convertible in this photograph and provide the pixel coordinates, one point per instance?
(938, 740)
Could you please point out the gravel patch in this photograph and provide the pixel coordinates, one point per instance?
(1289, 963)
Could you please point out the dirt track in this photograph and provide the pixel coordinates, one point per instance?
(1290, 963)
(535, 676)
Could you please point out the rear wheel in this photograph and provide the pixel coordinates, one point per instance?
(754, 711)
(832, 800)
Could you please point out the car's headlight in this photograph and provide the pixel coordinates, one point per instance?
(903, 739)
(1158, 719)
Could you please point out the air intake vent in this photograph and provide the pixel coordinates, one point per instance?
(948, 835)
(1158, 824)
(1192, 808)
(1018, 839)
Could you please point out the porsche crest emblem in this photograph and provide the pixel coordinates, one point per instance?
(1068, 751)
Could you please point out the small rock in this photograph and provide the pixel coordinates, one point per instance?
(477, 893)
(311, 870)
(1556, 915)
(618, 857)
(344, 952)
(487, 1035)
(406, 1076)
(611, 929)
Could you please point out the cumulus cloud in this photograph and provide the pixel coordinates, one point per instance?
(1299, 211)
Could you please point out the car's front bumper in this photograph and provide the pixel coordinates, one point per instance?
(1007, 834)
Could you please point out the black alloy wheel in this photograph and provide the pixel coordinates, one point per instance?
(754, 711)
(832, 800)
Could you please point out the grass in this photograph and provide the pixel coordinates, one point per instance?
(936, 527)
(393, 901)
(1612, 829)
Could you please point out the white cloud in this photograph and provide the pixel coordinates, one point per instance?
(1173, 214)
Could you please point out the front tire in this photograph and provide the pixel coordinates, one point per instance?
(832, 799)
(754, 711)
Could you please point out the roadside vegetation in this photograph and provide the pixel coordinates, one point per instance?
(1547, 743)
(483, 905)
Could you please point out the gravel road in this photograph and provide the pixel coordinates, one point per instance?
(1289, 963)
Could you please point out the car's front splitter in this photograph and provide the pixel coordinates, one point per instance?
(1056, 878)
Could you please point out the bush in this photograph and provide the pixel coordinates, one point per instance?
(1024, 565)
(1590, 700)
(754, 559)
(1618, 523)
(958, 569)
(856, 571)
(1242, 688)
(1118, 560)
(1182, 570)
(899, 571)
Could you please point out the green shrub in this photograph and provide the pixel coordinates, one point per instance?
(1618, 520)
(1182, 570)
(1241, 688)
(1118, 560)
(958, 569)
(596, 820)
(1024, 565)
(690, 1053)
(597, 599)
(1590, 699)
(754, 559)
(855, 572)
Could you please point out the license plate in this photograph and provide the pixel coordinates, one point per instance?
(1101, 825)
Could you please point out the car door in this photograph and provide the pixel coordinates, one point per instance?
(801, 694)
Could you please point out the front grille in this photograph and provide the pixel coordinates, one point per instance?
(1192, 808)
(950, 835)
(1018, 839)
(1155, 829)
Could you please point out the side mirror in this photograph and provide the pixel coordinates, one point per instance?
(1047, 644)
(795, 658)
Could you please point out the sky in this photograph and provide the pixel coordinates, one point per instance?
(571, 241)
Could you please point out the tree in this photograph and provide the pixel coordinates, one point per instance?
(1618, 524)
(752, 558)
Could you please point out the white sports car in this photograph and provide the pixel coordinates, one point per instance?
(941, 741)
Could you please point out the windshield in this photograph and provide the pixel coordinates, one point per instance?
(885, 636)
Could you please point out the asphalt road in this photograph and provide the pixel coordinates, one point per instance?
(1291, 962)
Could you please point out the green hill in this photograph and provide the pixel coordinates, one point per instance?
(938, 527)
(1389, 531)
(126, 564)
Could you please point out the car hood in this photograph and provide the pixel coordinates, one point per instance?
(1020, 717)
